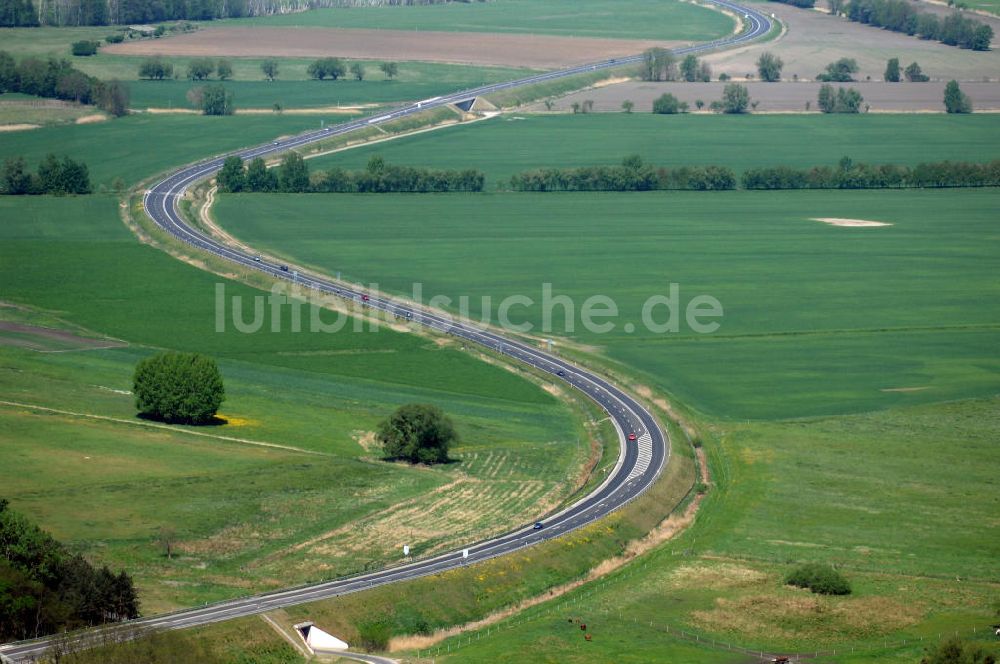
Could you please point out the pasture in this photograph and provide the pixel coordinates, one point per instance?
(69, 263)
(645, 19)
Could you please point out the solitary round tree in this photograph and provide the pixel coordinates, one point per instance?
(178, 388)
(418, 433)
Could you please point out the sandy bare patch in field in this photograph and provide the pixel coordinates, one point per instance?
(541, 51)
(851, 223)
(19, 127)
(905, 389)
(90, 119)
(782, 97)
(815, 38)
(367, 440)
(170, 111)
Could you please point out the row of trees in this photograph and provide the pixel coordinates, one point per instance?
(901, 16)
(127, 12)
(158, 69)
(632, 175)
(913, 72)
(58, 79)
(848, 175)
(54, 176)
(18, 14)
(201, 69)
(44, 589)
(735, 99)
(659, 64)
(293, 176)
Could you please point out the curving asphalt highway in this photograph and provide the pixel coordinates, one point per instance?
(640, 461)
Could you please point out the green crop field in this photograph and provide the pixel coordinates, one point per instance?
(645, 19)
(73, 263)
(817, 319)
(138, 146)
(848, 397)
(513, 143)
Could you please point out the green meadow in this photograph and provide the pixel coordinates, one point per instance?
(899, 500)
(646, 19)
(97, 478)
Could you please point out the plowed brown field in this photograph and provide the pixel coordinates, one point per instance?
(537, 51)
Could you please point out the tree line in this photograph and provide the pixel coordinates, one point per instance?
(45, 589)
(635, 175)
(23, 13)
(58, 79)
(659, 64)
(849, 175)
(632, 175)
(54, 176)
(900, 16)
(293, 176)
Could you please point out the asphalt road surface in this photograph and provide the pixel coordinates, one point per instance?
(640, 461)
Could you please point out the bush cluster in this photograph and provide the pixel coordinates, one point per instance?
(632, 175)
(54, 176)
(178, 388)
(293, 176)
(85, 47)
(58, 79)
(819, 578)
(843, 100)
(848, 175)
(418, 433)
(900, 16)
(44, 589)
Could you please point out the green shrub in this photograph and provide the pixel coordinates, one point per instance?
(374, 635)
(179, 388)
(819, 578)
(85, 47)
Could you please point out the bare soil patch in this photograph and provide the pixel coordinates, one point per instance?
(19, 127)
(851, 223)
(49, 340)
(783, 97)
(90, 119)
(539, 51)
(815, 39)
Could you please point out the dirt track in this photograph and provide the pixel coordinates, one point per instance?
(778, 97)
(461, 47)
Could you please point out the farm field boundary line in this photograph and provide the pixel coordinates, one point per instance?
(164, 427)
